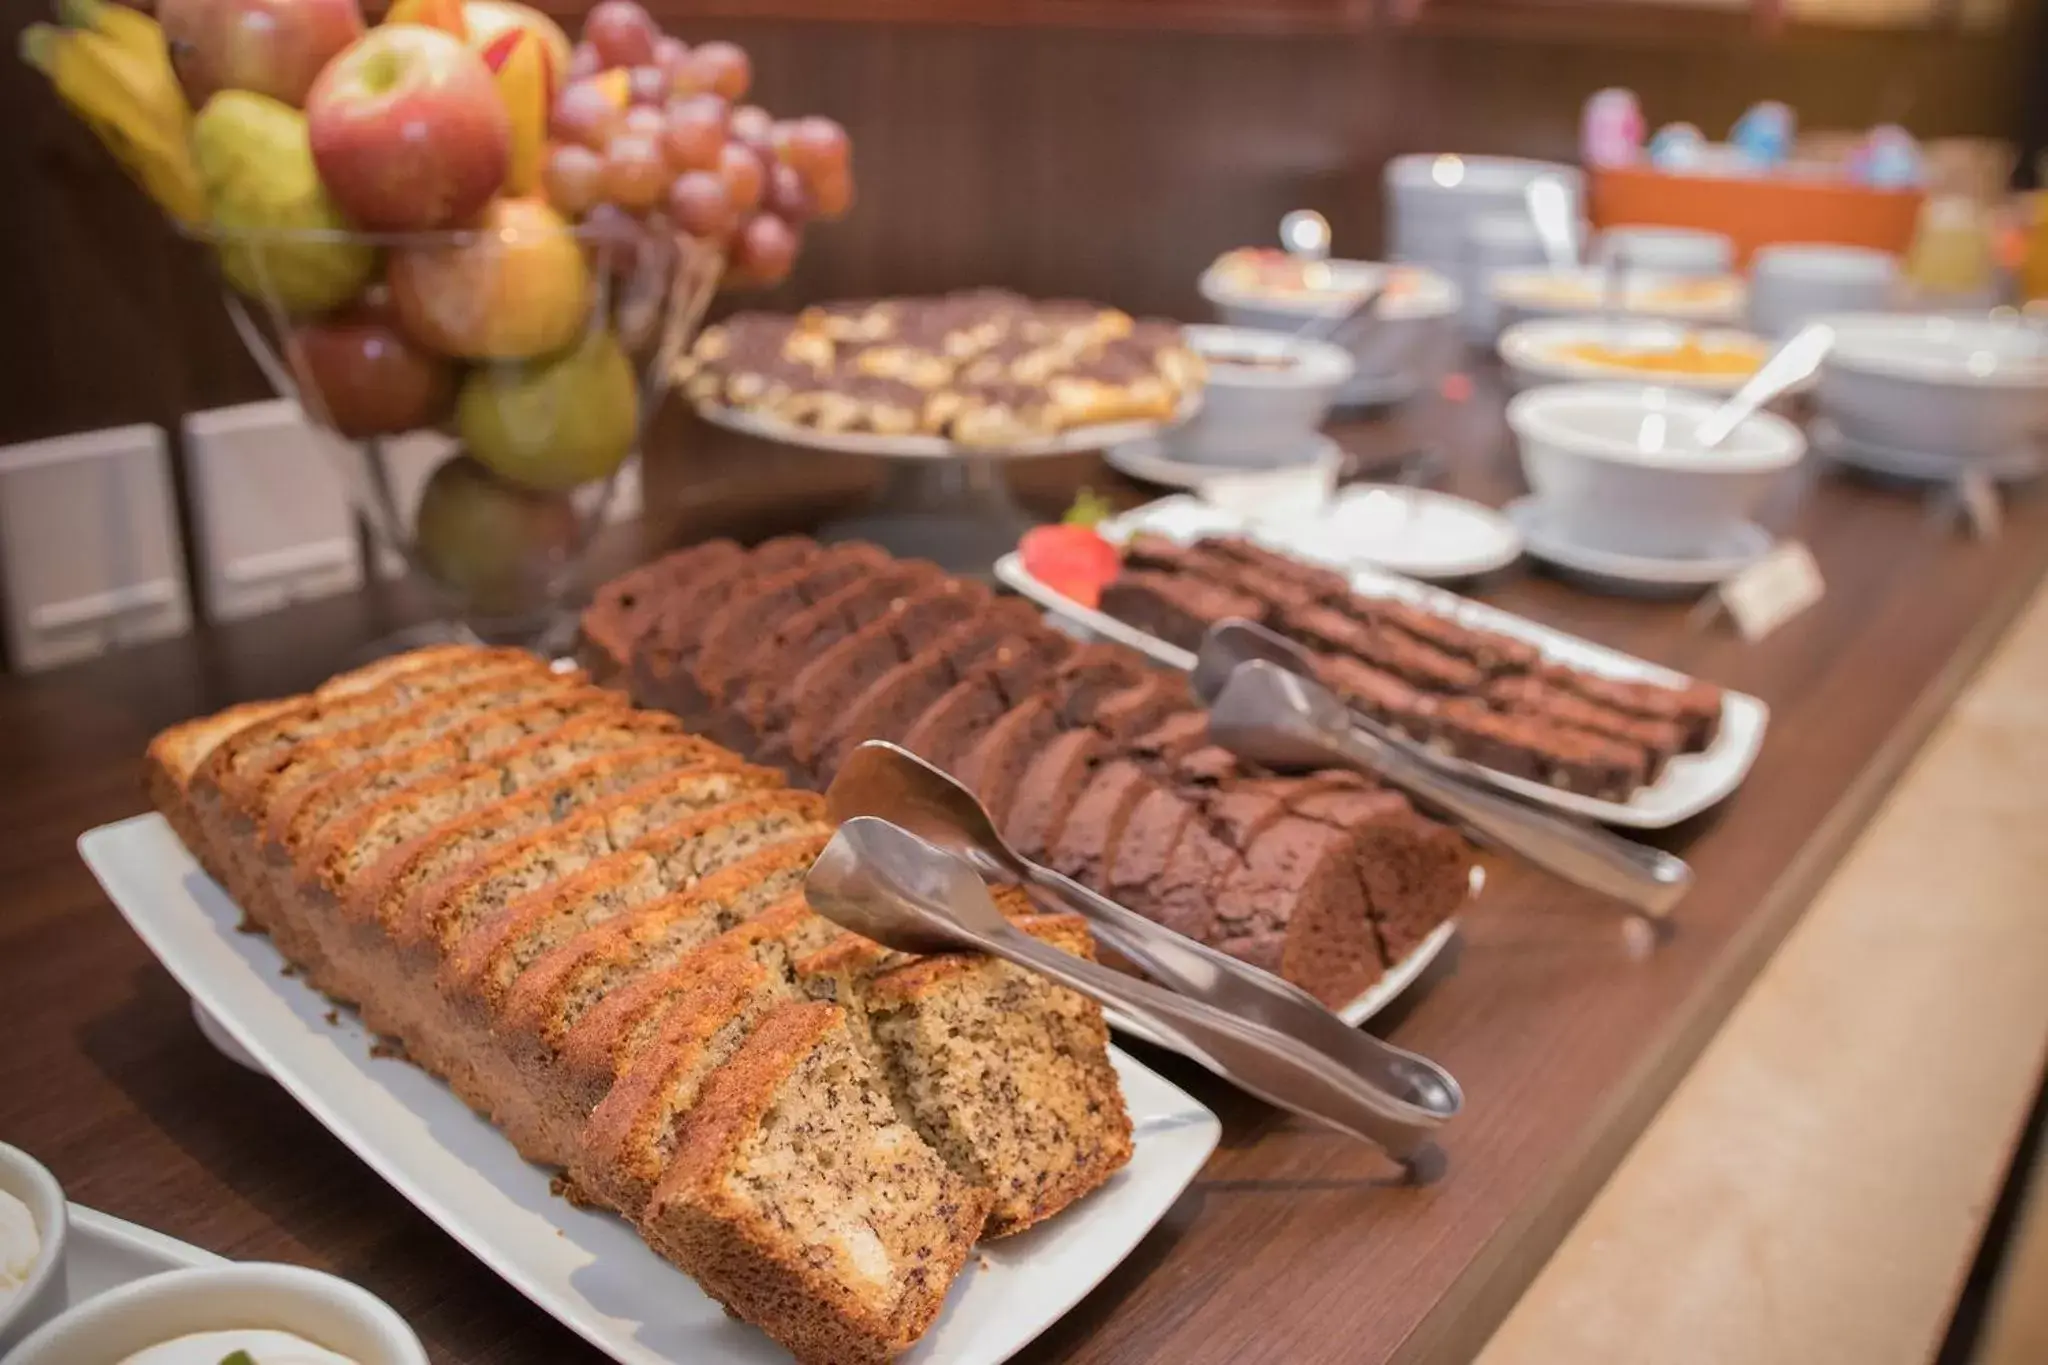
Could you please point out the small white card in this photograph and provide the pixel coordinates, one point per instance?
(1295, 491)
(1772, 590)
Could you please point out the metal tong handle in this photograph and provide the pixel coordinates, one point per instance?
(1276, 1067)
(1321, 730)
(1194, 969)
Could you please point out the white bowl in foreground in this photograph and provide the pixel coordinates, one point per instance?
(1972, 388)
(219, 1305)
(1618, 468)
(1266, 393)
(42, 1290)
(1571, 350)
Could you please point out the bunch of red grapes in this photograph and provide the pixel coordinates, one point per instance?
(646, 123)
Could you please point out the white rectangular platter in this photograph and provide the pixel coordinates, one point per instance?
(587, 1269)
(1688, 785)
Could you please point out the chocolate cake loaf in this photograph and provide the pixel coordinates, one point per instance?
(1476, 694)
(1089, 757)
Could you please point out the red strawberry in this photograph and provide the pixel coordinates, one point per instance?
(1072, 560)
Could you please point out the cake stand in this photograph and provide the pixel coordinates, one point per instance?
(940, 501)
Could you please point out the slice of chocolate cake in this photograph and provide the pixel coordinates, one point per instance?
(1379, 694)
(626, 608)
(1175, 609)
(1493, 652)
(1530, 747)
(1124, 717)
(996, 756)
(1170, 740)
(1533, 696)
(1091, 674)
(1696, 706)
(1050, 789)
(1325, 584)
(1085, 841)
(1295, 906)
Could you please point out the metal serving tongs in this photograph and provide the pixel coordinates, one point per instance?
(1265, 705)
(1405, 1093)
(883, 882)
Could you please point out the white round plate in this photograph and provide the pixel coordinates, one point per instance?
(1415, 531)
(1150, 461)
(1636, 575)
(1922, 466)
(938, 447)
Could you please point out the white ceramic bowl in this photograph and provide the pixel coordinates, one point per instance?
(40, 1299)
(1616, 467)
(1676, 250)
(1524, 294)
(1535, 352)
(1252, 414)
(1407, 339)
(342, 1317)
(1970, 388)
(1793, 283)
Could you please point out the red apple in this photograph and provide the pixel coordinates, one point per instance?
(273, 47)
(408, 130)
(366, 377)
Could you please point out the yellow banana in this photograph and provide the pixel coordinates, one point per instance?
(111, 91)
(142, 39)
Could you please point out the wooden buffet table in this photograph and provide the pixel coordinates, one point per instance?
(1295, 1244)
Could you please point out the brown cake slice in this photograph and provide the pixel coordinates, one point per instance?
(623, 610)
(1090, 675)
(995, 761)
(1126, 717)
(1050, 789)
(1326, 584)
(957, 725)
(1695, 706)
(1493, 652)
(1417, 874)
(820, 689)
(1170, 740)
(756, 610)
(671, 641)
(1534, 748)
(1525, 695)
(1176, 610)
(1088, 837)
(883, 698)
(1006, 1074)
(177, 754)
(1379, 694)
(592, 1007)
(631, 1134)
(1295, 907)
(801, 1201)
(1141, 856)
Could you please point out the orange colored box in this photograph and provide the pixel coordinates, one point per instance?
(1756, 212)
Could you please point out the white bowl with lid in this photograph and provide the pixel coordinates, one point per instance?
(42, 1291)
(1412, 322)
(1617, 468)
(1972, 388)
(202, 1315)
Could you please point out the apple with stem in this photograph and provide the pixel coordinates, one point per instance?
(273, 47)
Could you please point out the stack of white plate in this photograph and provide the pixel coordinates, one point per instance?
(1434, 208)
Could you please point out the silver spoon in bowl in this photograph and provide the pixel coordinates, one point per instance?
(1789, 365)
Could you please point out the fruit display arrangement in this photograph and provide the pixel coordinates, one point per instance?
(592, 926)
(1088, 757)
(1471, 693)
(458, 219)
(983, 368)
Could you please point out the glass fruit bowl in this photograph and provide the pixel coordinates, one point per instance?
(522, 357)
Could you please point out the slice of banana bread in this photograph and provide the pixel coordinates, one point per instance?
(799, 1200)
(1005, 1073)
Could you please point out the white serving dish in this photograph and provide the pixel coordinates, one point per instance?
(43, 1294)
(332, 1313)
(1534, 352)
(1645, 293)
(1405, 344)
(1688, 785)
(1253, 417)
(587, 1269)
(1618, 469)
(1970, 388)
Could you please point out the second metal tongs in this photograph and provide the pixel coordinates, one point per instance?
(1397, 1098)
(1265, 705)
(884, 883)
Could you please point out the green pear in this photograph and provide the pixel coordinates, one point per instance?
(497, 547)
(280, 236)
(554, 422)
